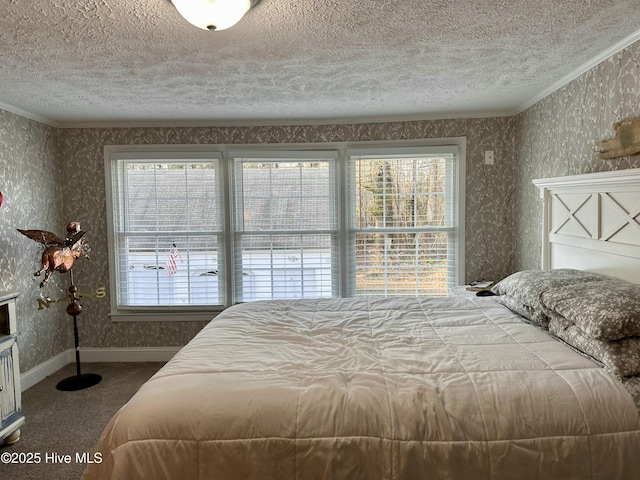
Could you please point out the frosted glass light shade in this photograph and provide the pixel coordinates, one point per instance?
(212, 14)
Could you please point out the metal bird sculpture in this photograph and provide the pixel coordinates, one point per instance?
(59, 254)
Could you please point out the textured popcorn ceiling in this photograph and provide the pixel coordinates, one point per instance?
(106, 62)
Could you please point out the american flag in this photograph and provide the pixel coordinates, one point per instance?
(172, 266)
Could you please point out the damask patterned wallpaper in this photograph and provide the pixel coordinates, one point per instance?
(557, 135)
(489, 200)
(32, 185)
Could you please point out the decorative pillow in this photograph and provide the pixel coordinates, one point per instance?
(602, 310)
(526, 286)
(536, 317)
(620, 357)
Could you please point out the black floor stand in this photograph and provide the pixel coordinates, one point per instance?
(80, 381)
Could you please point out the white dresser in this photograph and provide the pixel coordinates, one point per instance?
(11, 418)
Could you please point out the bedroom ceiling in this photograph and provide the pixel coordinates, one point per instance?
(123, 62)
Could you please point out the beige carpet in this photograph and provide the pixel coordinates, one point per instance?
(69, 423)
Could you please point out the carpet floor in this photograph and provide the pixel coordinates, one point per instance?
(70, 423)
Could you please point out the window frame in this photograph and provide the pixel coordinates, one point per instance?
(225, 152)
(454, 184)
(236, 160)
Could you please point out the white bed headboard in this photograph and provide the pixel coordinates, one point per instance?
(592, 222)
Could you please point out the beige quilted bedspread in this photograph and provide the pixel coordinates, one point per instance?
(370, 389)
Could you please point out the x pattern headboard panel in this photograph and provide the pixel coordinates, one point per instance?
(592, 222)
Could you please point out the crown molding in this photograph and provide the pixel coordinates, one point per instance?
(289, 122)
(584, 68)
(29, 115)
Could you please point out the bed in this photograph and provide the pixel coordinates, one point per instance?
(535, 382)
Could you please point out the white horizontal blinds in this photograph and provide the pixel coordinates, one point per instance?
(285, 225)
(168, 232)
(403, 221)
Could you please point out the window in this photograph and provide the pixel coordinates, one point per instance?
(168, 236)
(403, 222)
(286, 225)
(202, 227)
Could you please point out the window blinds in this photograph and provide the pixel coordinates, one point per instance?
(168, 232)
(285, 225)
(403, 222)
(196, 228)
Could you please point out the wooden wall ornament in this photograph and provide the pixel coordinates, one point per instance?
(625, 142)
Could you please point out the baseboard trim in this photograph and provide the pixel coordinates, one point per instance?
(143, 354)
(93, 355)
(40, 372)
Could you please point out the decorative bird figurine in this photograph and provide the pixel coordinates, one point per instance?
(58, 255)
(625, 142)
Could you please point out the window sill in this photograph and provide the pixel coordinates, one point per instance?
(162, 316)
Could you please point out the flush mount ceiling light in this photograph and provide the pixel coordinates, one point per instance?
(213, 14)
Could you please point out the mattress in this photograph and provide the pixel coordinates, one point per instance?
(374, 388)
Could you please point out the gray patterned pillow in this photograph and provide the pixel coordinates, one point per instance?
(535, 316)
(524, 289)
(602, 310)
(620, 357)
